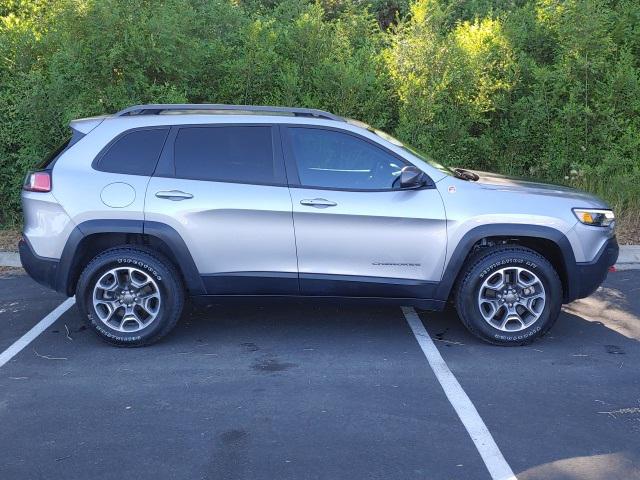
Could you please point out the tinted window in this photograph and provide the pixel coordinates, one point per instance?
(232, 154)
(135, 153)
(330, 159)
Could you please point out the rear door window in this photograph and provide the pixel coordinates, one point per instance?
(135, 152)
(240, 154)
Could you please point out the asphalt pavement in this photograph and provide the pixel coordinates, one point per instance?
(304, 391)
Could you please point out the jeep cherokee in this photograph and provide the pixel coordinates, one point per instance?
(139, 209)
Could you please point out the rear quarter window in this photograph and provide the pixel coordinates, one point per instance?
(134, 153)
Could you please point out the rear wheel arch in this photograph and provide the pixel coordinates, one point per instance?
(552, 244)
(93, 237)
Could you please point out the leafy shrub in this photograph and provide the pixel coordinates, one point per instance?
(541, 88)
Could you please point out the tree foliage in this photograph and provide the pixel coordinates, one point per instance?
(542, 88)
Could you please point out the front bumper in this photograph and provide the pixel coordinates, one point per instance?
(42, 270)
(590, 275)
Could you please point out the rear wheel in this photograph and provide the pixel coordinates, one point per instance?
(509, 295)
(130, 297)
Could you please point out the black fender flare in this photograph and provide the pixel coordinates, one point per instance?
(168, 235)
(462, 250)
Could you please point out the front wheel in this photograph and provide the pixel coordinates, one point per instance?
(130, 297)
(509, 295)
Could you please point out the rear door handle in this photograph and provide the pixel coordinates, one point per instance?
(318, 202)
(175, 195)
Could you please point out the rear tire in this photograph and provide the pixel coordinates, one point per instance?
(508, 295)
(130, 297)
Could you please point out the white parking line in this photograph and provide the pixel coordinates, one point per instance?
(40, 327)
(498, 467)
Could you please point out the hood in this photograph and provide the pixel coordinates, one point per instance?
(494, 181)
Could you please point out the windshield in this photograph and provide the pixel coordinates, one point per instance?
(416, 153)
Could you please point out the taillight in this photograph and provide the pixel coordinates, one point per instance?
(37, 182)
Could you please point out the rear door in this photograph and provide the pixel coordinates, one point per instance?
(357, 232)
(223, 189)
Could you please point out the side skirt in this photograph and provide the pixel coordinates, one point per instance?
(321, 287)
(422, 303)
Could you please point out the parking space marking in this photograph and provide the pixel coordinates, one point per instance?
(40, 327)
(498, 467)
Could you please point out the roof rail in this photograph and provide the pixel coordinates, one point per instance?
(155, 109)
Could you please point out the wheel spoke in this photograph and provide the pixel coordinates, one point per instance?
(532, 302)
(108, 283)
(525, 279)
(150, 304)
(512, 316)
(489, 308)
(111, 306)
(497, 280)
(138, 279)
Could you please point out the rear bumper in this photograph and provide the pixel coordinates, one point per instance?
(42, 270)
(590, 275)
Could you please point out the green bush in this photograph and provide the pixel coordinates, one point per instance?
(546, 88)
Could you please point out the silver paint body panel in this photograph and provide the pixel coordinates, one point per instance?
(229, 227)
(233, 227)
(396, 234)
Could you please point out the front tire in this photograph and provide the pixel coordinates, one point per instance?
(130, 297)
(509, 295)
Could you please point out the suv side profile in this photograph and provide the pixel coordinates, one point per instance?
(140, 209)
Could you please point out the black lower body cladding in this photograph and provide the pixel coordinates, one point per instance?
(592, 274)
(42, 270)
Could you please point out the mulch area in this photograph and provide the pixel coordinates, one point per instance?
(9, 240)
(628, 231)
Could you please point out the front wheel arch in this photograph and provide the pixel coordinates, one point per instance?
(548, 242)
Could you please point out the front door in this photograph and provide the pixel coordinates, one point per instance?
(357, 232)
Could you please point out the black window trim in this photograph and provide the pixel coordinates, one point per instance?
(98, 158)
(292, 167)
(49, 162)
(166, 166)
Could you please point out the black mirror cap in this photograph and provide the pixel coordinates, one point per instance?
(412, 177)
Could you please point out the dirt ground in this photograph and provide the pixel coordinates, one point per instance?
(628, 230)
(6, 272)
(9, 240)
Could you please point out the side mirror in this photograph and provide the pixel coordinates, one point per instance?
(412, 177)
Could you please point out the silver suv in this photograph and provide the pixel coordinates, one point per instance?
(141, 208)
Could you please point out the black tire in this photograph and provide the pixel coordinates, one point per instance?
(485, 264)
(165, 278)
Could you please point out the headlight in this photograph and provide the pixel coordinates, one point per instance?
(594, 217)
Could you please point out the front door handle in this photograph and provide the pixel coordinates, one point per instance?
(175, 195)
(318, 202)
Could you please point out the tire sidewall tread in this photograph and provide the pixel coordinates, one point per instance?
(487, 261)
(163, 272)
